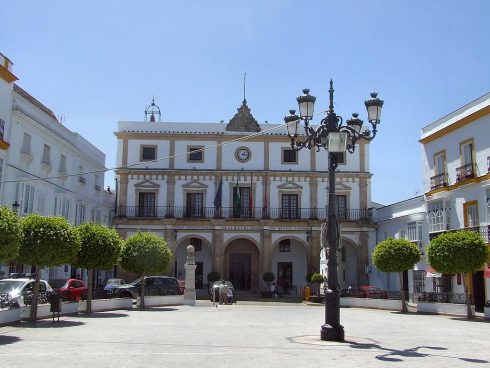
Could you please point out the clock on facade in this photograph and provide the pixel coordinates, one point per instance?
(242, 154)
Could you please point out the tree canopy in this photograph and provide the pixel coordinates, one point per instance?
(10, 234)
(100, 246)
(145, 253)
(48, 241)
(395, 255)
(457, 252)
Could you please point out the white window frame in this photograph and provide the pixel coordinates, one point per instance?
(46, 159)
(26, 143)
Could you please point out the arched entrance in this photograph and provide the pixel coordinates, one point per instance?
(203, 259)
(290, 264)
(241, 264)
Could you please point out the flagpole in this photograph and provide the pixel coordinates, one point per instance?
(250, 200)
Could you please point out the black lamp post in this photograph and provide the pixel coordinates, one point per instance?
(335, 137)
(15, 206)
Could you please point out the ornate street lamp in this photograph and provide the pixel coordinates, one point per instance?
(15, 206)
(335, 137)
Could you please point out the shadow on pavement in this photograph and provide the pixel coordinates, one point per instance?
(394, 355)
(156, 309)
(102, 315)
(464, 319)
(4, 340)
(62, 323)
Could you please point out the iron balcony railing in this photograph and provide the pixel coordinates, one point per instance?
(160, 212)
(438, 181)
(465, 172)
(484, 232)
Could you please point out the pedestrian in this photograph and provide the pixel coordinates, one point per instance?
(274, 290)
(223, 293)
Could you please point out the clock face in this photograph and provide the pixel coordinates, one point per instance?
(242, 154)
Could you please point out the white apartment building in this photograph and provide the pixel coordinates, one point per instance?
(47, 169)
(456, 170)
(247, 202)
(404, 220)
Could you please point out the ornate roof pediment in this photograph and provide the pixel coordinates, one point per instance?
(289, 186)
(340, 186)
(194, 184)
(147, 184)
(243, 121)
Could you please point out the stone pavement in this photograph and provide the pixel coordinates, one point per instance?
(248, 334)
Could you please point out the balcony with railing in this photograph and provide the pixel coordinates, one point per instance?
(484, 231)
(438, 181)
(255, 213)
(465, 172)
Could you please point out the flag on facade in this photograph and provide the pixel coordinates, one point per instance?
(237, 201)
(250, 198)
(219, 193)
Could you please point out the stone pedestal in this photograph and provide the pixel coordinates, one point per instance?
(190, 277)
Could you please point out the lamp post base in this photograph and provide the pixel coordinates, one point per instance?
(332, 333)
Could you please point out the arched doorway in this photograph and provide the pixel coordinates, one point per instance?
(241, 264)
(290, 264)
(203, 259)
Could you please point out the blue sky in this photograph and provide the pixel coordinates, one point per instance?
(98, 62)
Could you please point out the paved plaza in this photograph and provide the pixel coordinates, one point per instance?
(249, 334)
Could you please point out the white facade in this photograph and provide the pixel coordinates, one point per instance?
(456, 164)
(48, 169)
(283, 198)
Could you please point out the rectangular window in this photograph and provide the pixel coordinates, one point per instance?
(467, 153)
(195, 154)
(146, 204)
(289, 156)
(148, 153)
(341, 158)
(26, 144)
(438, 216)
(96, 183)
(95, 215)
(62, 167)
(471, 214)
(2, 128)
(415, 234)
(41, 203)
(289, 206)
(341, 203)
(467, 168)
(440, 163)
(81, 213)
(62, 207)
(27, 198)
(194, 205)
(46, 155)
(197, 244)
(242, 208)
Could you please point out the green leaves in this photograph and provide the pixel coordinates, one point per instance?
(10, 234)
(145, 253)
(395, 255)
(48, 241)
(317, 278)
(457, 252)
(100, 246)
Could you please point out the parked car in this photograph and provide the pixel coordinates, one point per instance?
(113, 284)
(18, 291)
(373, 292)
(74, 290)
(154, 285)
(182, 285)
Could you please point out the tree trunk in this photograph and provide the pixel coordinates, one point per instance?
(35, 294)
(402, 293)
(469, 312)
(142, 293)
(89, 292)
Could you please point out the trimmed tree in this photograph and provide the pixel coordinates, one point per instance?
(316, 278)
(100, 248)
(458, 252)
(396, 255)
(143, 254)
(213, 276)
(10, 234)
(46, 242)
(268, 277)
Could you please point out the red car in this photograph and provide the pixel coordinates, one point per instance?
(74, 290)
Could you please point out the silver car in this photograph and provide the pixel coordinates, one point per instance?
(17, 292)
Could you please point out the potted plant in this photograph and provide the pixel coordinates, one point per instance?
(316, 279)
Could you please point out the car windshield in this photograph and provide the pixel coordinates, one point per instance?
(218, 283)
(7, 286)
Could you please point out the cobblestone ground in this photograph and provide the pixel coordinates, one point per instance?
(248, 334)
